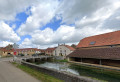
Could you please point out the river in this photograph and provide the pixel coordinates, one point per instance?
(82, 70)
(59, 66)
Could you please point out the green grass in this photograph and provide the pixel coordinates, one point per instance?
(97, 73)
(40, 76)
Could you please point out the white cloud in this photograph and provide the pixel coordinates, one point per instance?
(5, 43)
(42, 13)
(48, 36)
(76, 9)
(118, 17)
(7, 33)
(28, 44)
(9, 8)
(64, 34)
(90, 17)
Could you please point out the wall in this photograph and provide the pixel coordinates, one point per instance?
(106, 62)
(49, 52)
(26, 52)
(63, 48)
(67, 77)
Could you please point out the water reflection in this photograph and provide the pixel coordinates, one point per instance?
(82, 70)
(59, 66)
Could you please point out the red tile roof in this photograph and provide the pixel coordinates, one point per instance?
(23, 49)
(5, 50)
(50, 49)
(111, 38)
(69, 47)
(97, 53)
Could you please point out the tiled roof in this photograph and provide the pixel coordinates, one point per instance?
(69, 47)
(24, 49)
(100, 40)
(4, 49)
(98, 53)
(50, 49)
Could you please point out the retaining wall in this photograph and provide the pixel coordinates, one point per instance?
(67, 77)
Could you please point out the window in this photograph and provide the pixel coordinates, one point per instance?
(112, 46)
(60, 51)
(65, 51)
(92, 43)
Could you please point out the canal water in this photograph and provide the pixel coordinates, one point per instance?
(82, 70)
(59, 66)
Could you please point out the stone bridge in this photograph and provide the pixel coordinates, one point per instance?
(37, 58)
(31, 58)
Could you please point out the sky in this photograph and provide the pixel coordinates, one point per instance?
(47, 23)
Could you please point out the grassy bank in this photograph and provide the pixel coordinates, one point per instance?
(97, 73)
(41, 76)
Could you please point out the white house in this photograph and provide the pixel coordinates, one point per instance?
(63, 50)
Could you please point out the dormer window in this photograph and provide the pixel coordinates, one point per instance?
(92, 43)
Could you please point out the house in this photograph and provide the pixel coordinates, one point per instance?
(29, 51)
(6, 51)
(103, 49)
(103, 40)
(63, 50)
(49, 51)
(9, 50)
(26, 51)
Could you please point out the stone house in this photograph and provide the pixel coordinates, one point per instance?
(28, 51)
(49, 51)
(103, 49)
(63, 50)
(8, 51)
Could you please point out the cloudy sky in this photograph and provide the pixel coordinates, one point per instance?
(45, 23)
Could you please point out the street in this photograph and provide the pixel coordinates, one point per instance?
(9, 73)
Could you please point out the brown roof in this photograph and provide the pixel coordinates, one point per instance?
(98, 53)
(6, 50)
(69, 47)
(50, 49)
(100, 40)
(26, 49)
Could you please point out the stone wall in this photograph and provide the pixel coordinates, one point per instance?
(67, 77)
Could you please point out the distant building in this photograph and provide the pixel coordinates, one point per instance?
(63, 50)
(49, 51)
(28, 51)
(103, 49)
(6, 51)
(9, 51)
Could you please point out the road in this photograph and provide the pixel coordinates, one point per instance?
(9, 73)
(6, 59)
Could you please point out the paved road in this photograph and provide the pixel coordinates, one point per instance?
(9, 73)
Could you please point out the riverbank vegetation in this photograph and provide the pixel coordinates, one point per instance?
(97, 73)
(40, 76)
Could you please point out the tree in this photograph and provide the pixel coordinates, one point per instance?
(73, 45)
